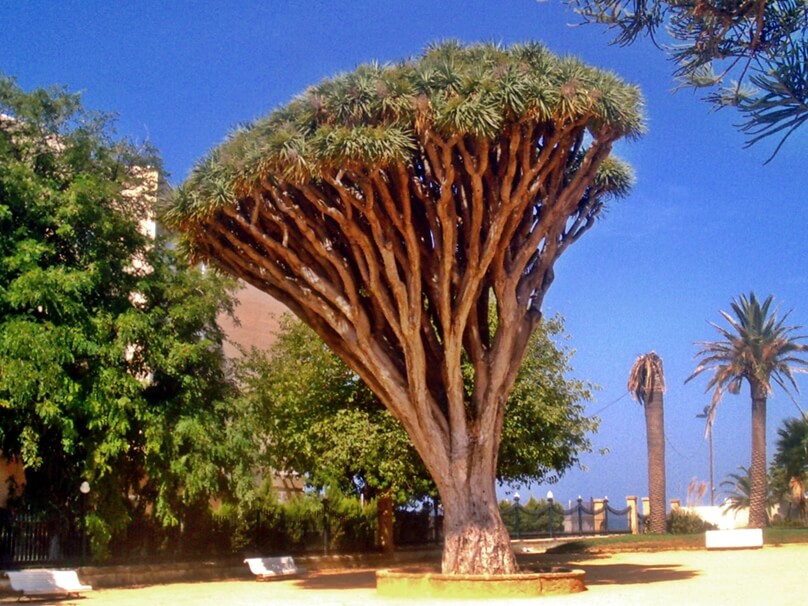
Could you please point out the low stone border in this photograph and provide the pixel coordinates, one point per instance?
(420, 584)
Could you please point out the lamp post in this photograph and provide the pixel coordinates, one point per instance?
(550, 512)
(84, 489)
(516, 521)
(706, 415)
(325, 524)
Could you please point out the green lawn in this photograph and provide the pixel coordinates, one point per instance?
(651, 542)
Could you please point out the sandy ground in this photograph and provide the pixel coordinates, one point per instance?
(770, 576)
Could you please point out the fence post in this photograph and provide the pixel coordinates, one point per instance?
(325, 526)
(580, 514)
(633, 520)
(258, 530)
(597, 516)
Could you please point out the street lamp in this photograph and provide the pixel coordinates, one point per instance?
(550, 512)
(709, 431)
(325, 523)
(84, 489)
(516, 522)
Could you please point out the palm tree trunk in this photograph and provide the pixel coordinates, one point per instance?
(655, 432)
(757, 472)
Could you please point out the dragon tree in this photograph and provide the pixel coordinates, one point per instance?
(388, 207)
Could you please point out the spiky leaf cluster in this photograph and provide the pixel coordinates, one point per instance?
(379, 114)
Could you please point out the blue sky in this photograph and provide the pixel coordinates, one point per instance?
(707, 221)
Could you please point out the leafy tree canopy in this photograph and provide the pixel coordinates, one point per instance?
(752, 55)
(312, 414)
(375, 115)
(111, 367)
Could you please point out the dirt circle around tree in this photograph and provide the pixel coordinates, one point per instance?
(426, 583)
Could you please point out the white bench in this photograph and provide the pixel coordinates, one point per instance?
(743, 538)
(270, 568)
(46, 581)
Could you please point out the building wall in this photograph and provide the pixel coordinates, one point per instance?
(10, 468)
(258, 315)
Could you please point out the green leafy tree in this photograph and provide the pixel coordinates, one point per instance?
(546, 428)
(387, 208)
(789, 468)
(111, 367)
(303, 409)
(757, 348)
(646, 383)
(307, 411)
(750, 55)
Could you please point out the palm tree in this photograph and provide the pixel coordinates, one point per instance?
(738, 488)
(646, 382)
(759, 348)
(791, 463)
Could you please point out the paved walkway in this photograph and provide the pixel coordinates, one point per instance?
(770, 576)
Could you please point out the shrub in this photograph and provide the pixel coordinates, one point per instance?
(681, 521)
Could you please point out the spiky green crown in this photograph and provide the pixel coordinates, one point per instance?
(377, 114)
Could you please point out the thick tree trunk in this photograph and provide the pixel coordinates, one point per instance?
(757, 472)
(475, 539)
(384, 510)
(655, 434)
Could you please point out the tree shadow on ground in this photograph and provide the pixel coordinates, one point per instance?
(351, 579)
(633, 574)
(600, 570)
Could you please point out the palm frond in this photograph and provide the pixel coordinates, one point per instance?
(646, 375)
(758, 347)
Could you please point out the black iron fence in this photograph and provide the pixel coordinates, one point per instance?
(548, 518)
(328, 530)
(27, 539)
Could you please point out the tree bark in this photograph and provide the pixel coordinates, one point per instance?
(655, 435)
(758, 489)
(475, 539)
(384, 510)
